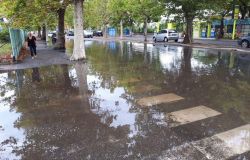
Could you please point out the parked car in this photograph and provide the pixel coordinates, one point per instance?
(51, 33)
(98, 33)
(244, 41)
(70, 33)
(166, 35)
(88, 34)
(53, 38)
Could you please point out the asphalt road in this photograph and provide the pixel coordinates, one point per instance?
(202, 41)
(226, 43)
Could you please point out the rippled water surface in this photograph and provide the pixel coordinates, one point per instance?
(91, 111)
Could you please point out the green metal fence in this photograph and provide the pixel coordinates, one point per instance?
(17, 38)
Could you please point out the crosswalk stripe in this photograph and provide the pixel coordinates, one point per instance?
(131, 80)
(189, 115)
(147, 88)
(220, 146)
(226, 144)
(159, 99)
(237, 139)
(183, 152)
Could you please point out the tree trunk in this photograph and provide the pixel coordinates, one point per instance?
(189, 30)
(221, 33)
(121, 27)
(39, 32)
(47, 32)
(79, 49)
(145, 29)
(60, 42)
(105, 31)
(43, 32)
(243, 10)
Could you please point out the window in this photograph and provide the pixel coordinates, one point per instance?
(171, 31)
(245, 30)
(163, 31)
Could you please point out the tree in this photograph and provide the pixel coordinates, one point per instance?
(121, 14)
(222, 9)
(190, 9)
(97, 14)
(69, 17)
(30, 13)
(58, 7)
(79, 50)
(244, 6)
(146, 11)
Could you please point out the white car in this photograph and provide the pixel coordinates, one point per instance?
(88, 34)
(166, 35)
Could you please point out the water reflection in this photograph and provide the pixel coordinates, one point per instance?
(35, 75)
(89, 111)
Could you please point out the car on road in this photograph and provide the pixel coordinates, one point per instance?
(88, 34)
(70, 33)
(244, 41)
(166, 35)
(97, 33)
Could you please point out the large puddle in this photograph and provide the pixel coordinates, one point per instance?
(123, 103)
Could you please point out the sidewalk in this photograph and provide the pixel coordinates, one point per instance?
(45, 56)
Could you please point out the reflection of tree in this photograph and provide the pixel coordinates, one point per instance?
(220, 88)
(82, 71)
(35, 75)
(196, 85)
(118, 69)
(59, 125)
(185, 78)
(205, 57)
(147, 56)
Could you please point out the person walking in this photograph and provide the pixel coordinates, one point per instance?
(31, 43)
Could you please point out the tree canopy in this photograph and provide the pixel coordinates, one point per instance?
(31, 14)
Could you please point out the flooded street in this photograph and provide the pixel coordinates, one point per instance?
(129, 101)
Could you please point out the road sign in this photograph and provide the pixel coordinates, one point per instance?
(236, 12)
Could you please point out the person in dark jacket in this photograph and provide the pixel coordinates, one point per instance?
(31, 43)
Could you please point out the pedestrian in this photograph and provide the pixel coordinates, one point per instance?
(31, 43)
